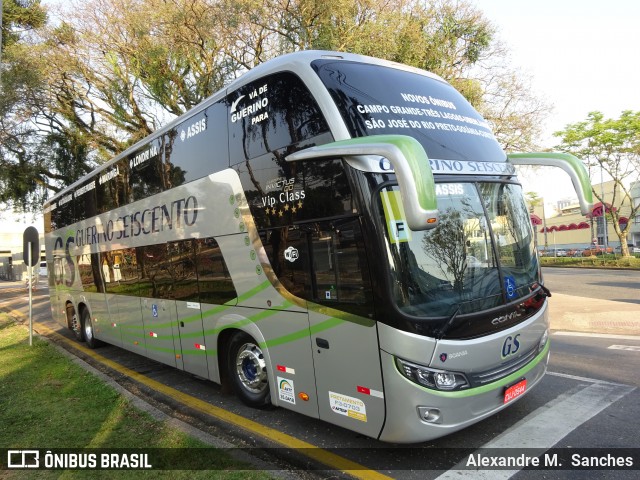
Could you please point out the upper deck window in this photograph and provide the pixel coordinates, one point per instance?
(197, 147)
(269, 114)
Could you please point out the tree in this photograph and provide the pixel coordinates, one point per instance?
(19, 143)
(611, 146)
(113, 71)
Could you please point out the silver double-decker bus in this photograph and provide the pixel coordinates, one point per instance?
(333, 234)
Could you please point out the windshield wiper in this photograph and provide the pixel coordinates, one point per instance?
(441, 332)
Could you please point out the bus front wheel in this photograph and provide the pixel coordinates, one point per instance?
(247, 371)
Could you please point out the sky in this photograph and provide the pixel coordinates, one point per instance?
(582, 55)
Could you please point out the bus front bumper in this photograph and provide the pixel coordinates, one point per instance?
(408, 403)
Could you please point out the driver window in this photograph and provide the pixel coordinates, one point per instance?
(340, 270)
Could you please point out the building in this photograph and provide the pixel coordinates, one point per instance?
(564, 226)
(12, 266)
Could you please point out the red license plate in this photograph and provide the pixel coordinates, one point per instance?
(514, 391)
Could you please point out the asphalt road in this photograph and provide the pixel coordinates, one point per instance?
(589, 399)
(616, 285)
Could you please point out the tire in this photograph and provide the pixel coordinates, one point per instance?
(75, 323)
(87, 330)
(247, 371)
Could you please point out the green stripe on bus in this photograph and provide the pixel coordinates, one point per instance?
(201, 315)
(246, 321)
(491, 386)
(301, 334)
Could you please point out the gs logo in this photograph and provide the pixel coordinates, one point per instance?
(66, 273)
(510, 346)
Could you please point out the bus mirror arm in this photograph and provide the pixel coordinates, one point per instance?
(408, 159)
(570, 164)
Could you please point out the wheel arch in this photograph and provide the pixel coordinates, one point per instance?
(224, 338)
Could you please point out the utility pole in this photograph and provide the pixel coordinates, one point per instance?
(544, 225)
(605, 241)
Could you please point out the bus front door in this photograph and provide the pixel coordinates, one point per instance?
(344, 338)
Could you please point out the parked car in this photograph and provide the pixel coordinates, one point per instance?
(632, 249)
(596, 250)
(561, 253)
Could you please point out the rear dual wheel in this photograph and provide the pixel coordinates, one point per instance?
(82, 326)
(87, 330)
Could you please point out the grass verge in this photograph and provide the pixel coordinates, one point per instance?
(48, 402)
(608, 261)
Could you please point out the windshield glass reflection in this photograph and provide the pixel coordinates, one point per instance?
(455, 265)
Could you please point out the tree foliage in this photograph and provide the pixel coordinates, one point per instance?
(106, 73)
(612, 147)
(21, 167)
(18, 17)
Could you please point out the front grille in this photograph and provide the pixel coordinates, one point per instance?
(507, 368)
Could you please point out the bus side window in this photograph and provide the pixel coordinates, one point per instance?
(198, 146)
(56, 218)
(154, 266)
(271, 113)
(214, 280)
(127, 268)
(85, 201)
(90, 272)
(111, 186)
(281, 193)
(147, 172)
(115, 272)
(183, 271)
(287, 250)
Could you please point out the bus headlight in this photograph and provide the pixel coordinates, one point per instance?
(432, 378)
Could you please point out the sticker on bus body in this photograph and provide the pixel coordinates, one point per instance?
(348, 406)
(286, 391)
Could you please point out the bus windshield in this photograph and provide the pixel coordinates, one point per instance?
(480, 256)
(407, 103)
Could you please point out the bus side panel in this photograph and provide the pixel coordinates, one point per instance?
(105, 312)
(58, 312)
(348, 374)
(131, 327)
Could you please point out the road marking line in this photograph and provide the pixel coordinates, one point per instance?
(318, 454)
(598, 335)
(586, 379)
(630, 348)
(546, 426)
